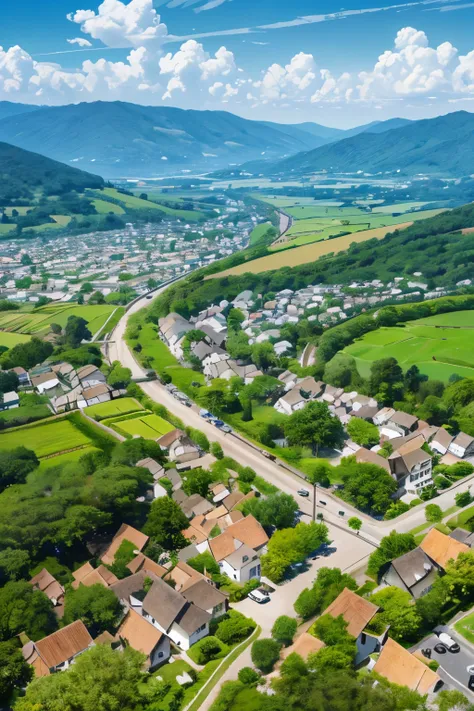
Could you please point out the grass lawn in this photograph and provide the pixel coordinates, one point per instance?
(465, 627)
(183, 377)
(67, 458)
(45, 439)
(149, 427)
(62, 220)
(258, 232)
(122, 406)
(169, 672)
(103, 207)
(135, 203)
(12, 339)
(5, 229)
(461, 519)
(111, 323)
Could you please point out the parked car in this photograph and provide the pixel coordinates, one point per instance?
(448, 642)
(440, 648)
(322, 503)
(218, 423)
(303, 492)
(268, 455)
(470, 683)
(205, 414)
(225, 428)
(150, 296)
(258, 596)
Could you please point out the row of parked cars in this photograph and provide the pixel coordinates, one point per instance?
(220, 424)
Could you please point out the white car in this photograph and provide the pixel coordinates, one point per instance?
(258, 596)
(448, 642)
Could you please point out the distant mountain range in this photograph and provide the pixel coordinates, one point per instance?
(119, 139)
(439, 146)
(22, 173)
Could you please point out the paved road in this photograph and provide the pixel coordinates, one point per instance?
(453, 667)
(248, 455)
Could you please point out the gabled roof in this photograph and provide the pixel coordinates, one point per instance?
(413, 566)
(139, 633)
(204, 595)
(63, 644)
(48, 584)
(247, 531)
(87, 575)
(123, 589)
(442, 548)
(305, 645)
(163, 603)
(367, 457)
(463, 440)
(167, 439)
(403, 419)
(356, 610)
(184, 576)
(141, 562)
(125, 533)
(401, 667)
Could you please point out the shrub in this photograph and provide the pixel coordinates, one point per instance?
(234, 628)
(284, 630)
(248, 676)
(433, 513)
(265, 653)
(217, 451)
(207, 649)
(462, 499)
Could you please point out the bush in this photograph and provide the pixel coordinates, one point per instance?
(248, 676)
(217, 451)
(433, 513)
(207, 649)
(265, 654)
(284, 629)
(462, 499)
(235, 627)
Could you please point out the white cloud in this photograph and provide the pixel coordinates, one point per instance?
(191, 68)
(80, 41)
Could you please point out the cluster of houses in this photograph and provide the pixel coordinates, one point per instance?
(162, 605)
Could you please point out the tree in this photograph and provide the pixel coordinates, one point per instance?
(329, 583)
(76, 331)
(452, 699)
(463, 498)
(217, 451)
(8, 381)
(235, 319)
(24, 609)
(213, 398)
(265, 653)
(16, 672)
(366, 486)
(332, 630)
(364, 433)
(459, 575)
(276, 510)
(14, 563)
(234, 627)
(15, 465)
(86, 288)
(398, 611)
(204, 563)
(392, 546)
(319, 472)
(132, 450)
(238, 346)
(27, 355)
(80, 299)
(291, 545)
(430, 606)
(331, 658)
(124, 555)
(197, 481)
(248, 676)
(247, 415)
(284, 629)
(433, 513)
(96, 605)
(263, 355)
(354, 523)
(413, 379)
(209, 648)
(340, 370)
(386, 380)
(79, 521)
(97, 298)
(165, 523)
(314, 427)
(99, 680)
(119, 376)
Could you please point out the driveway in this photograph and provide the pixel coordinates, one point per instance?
(453, 666)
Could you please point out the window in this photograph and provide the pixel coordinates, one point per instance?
(363, 638)
(160, 655)
(201, 629)
(245, 559)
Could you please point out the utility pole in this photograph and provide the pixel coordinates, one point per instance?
(315, 487)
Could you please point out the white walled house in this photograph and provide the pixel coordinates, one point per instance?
(462, 446)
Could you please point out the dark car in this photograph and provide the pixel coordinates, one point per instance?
(470, 683)
(440, 648)
(268, 455)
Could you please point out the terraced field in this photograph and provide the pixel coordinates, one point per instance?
(37, 322)
(149, 427)
(135, 203)
(439, 351)
(114, 408)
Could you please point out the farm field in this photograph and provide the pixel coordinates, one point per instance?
(258, 232)
(306, 253)
(67, 458)
(9, 340)
(103, 207)
(149, 427)
(136, 203)
(438, 352)
(114, 408)
(16, 323)
(46, 439)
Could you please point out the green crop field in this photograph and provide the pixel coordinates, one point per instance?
(67, 458)
(103, 207)
(62, 220)
(149, 427)
(45, 439)
(438, 352)
(38, 322)
(135, 203)
(122, 406)
(9, 340)
(258, 232)
(5, 229)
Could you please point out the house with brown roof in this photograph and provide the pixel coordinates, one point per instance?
(125, 533)
(400, 423)
(366, 456)
(238, 549)
(399, 666)
(412, 469)
(441, 441)
(141, 562)
(48, 584)
(59, 650)
(357, 613)
(412, 572)
(94, 395)
(304, 645)
(462, 446)
(440, 548)
(138, 633)
(87, 575)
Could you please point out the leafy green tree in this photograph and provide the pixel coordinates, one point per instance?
(430, 606)
(459, 576)
(235, 319)
(399, 611)
(14, 563)
(284, 629)
(197, 481)
(248, 676)
(340, 370)
(463, 498)
(234, 627)
(265, 653)
(80, 521)
(165, 523)
(320, 472)
(367, 486)
(392, 546)
(330, 659)
(16, 672)
(204, 563)
(263, 355)
(355, 523)
(24, 609)
(214, 398)
(314, 427)
(8, 381)
(119, 377)
(332, 630)
(76, 331)
(132, 450)
(123, 556)
(364, 433)
(97, 298)
(413, 379)
(329, 583)
(247, 414)
(96, 605)
(276, 510)
(15, 465)
(386, 380)
(433, 513)
(452, 699)
(238, 346)
(99, 680)
(216, 450)
(86, 288)
(291, 545)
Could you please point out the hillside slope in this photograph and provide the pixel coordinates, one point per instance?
(23, 173)
(8, 108)
(443, 145)
(118, 139)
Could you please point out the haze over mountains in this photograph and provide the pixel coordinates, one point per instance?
(119, 139)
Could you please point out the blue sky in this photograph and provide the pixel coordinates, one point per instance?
(307, 60)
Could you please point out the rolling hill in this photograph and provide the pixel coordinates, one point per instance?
(23, 173)
(439, 146)
(118, 139)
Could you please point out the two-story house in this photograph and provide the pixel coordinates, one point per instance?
(412, 469)
(238, 549)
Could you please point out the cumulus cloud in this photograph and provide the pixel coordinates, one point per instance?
(80, 41)
(191, 67)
